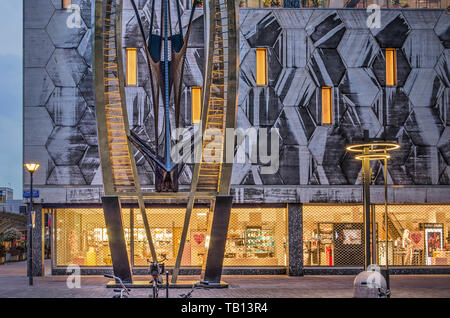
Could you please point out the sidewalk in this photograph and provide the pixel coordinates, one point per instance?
(14, 283)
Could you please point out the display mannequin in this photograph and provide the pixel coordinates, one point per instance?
(408, 245)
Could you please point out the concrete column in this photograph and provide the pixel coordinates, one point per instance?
(295, 229)
(38, 242)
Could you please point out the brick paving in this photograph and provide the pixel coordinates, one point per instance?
(14, 283)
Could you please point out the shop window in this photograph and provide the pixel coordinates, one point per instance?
(261, 66)
(391, 67)
(196, 93)
(66, 4)
(256, 236)
(131, 66)
(81, 237)
(327, 105)
(417, 235)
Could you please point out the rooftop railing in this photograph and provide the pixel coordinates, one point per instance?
(358, 4)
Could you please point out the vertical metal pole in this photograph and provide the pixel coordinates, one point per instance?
(167, 284)
(132, 238)
(386, 223)
(30, 234)
(374, 235)
(366, 208)
(184, 233)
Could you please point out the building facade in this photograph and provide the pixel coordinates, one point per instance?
(327, 78)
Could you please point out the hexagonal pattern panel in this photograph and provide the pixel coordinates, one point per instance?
(442, 30)
(262, 106)
(326, 67)
(307, 49)
(265, 32)
(358, 49)
(62, 34)
(423, 86)
(393, 32)
(66, 145)
(422, 48)
(359, 86)
(37, 48)
(379, 68)
(66, 106)
(325, 29)
(37, 13)
(66, 67)
(39, 85)
(295, 87)
(443, 67)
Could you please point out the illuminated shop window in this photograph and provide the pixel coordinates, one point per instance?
(66, 4)
(131, 66)
(196, 104)
(418, 235)
(261, 66)
(391, 67)
(256, 236)
(327, 106)
(82, 239)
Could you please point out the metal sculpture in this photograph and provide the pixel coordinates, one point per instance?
(166, 75)
(212, 175)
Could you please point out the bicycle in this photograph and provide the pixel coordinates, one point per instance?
(156, 270)
(197, 285)
(384, 293)
(124, 292)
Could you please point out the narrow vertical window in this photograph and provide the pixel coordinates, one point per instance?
(327, 106)
(196, 104)
(261, 66)
(131, 66)
(391, 67)
(66, 4)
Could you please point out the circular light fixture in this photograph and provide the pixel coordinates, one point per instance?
(373, 156)
(373, 147)
(373, 150)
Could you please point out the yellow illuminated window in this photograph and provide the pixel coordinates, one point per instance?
(327, 106)
(196, 104)
(391, 67)
(66, 4)
(261, 66)
(131, 66)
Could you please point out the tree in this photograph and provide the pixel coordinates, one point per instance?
(11, 235)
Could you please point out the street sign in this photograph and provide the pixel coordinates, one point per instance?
(26, 193)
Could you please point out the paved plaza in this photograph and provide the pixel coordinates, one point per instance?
(14, 283)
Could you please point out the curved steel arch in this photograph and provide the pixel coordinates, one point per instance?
(212, 176)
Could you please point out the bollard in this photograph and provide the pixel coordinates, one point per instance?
(370, 284)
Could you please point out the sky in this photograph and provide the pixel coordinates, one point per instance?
(11, 95)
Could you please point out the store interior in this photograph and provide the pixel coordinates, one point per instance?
(418, 235)
(256, 237)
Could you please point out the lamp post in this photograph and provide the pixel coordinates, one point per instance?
(32, 168)
(367, 151)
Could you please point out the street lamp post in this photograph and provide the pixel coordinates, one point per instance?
(32, 168)
(367, 151)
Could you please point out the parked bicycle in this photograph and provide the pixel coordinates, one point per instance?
(157, 271)
(197, 285)
(124, 292)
